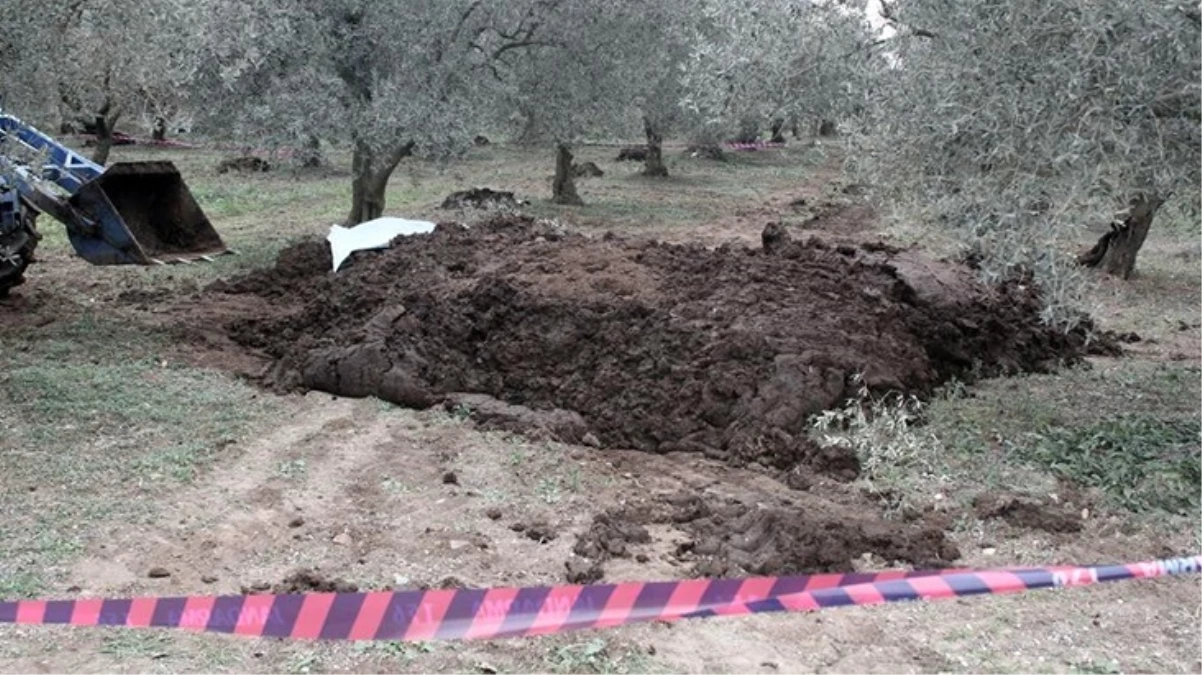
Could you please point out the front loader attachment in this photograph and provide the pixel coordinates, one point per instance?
(139, 213)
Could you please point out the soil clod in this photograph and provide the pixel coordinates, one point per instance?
(609, 537)
(583, 572)
(728, 538)
(538, 530)
(1027, 512)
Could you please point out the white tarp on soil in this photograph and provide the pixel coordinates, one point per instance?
(372, 234)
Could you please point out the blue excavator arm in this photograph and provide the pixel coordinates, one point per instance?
(128, 213)
(65, 167)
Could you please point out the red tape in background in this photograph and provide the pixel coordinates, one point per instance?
(471, 613)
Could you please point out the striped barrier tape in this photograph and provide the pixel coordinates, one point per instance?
(466, 614)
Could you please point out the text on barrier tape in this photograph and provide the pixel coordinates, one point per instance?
(471, 613)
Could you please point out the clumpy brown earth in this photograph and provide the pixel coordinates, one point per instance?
(731, 538)
(657, 347)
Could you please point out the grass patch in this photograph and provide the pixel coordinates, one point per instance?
(126, 644)
(1140, 462)
(93, 420)
(595, 656)
(1130, 430)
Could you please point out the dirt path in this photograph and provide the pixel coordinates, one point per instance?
(369, 485)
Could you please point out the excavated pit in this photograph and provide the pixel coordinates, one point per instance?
(655, 347)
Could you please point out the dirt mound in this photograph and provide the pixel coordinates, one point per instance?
(729, 538)
(633, 153)
(480, 198)
(587, 170)
(657, 347)
(244, 164)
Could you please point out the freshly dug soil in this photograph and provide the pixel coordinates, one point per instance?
(656, 347)
(1029, 513)
(304, 581)
(729, 538)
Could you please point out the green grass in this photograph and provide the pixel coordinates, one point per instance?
(595, 656)
(125, 644)
(93, 419)
(1130, 430)
(1140, 462)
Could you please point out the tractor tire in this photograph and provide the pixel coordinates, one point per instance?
(17, 253)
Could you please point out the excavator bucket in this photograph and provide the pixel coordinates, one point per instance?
(140, 213)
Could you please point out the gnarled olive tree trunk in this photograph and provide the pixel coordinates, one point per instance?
(105, 122)
(1116, 250)
(370, 173)
(653, 165)
(563, 186)
(778, 130)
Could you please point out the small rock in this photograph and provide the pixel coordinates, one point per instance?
(343, 539)
(641, 557)
(590, 440)
(296, 522)
(493, 514)
(158, 572)
(457, 544)
(449, 478)
(518, 527)
(208, 579)
(770, 664)
(486, 669)
(989, 551)
(74, 589)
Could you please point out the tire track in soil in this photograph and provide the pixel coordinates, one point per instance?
(233, 523)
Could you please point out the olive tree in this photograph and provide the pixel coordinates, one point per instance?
(92, 63)
(566, 91)
(1015, 124)
(604, 68)
(388, 79)
(777, 60)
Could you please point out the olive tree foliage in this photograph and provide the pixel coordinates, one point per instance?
(1016, 124)
(566, 89)
(608, 68)
(759, 60)
(387, 79)
(93, 63)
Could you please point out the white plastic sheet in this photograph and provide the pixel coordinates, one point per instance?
(373, 234)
